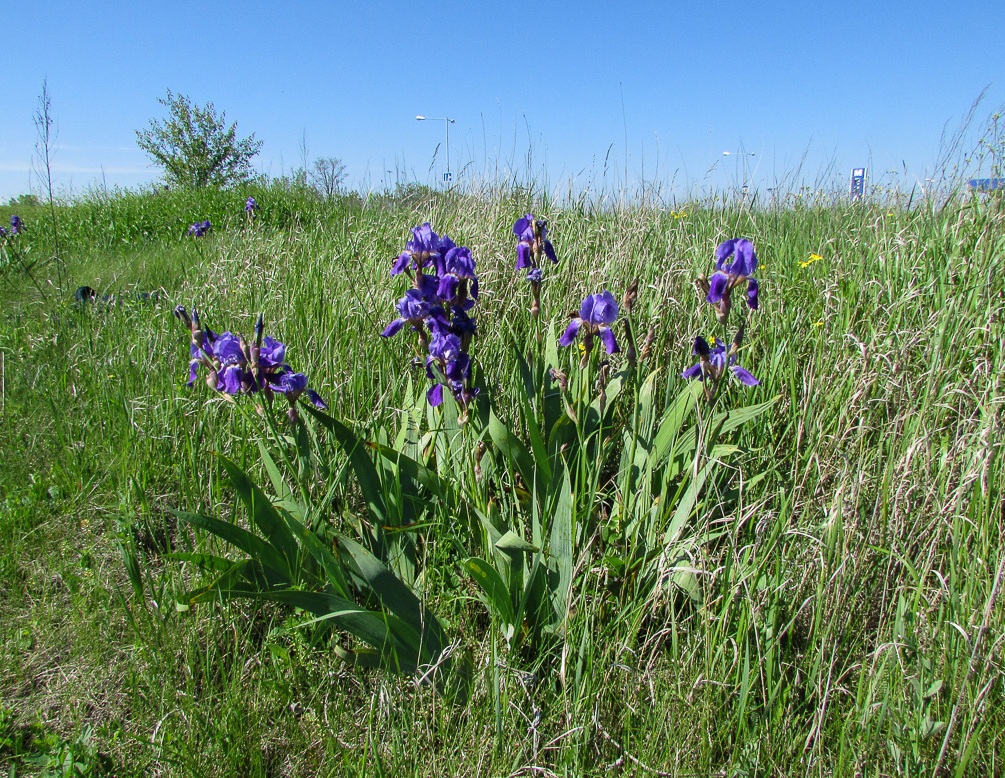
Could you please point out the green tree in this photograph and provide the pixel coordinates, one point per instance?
(195, 147)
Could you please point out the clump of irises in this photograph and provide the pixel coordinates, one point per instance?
(531, 248)
(735, 263)
(436, 307)
(199, 229)
(15, 224)
(235, 365)
(250, 208)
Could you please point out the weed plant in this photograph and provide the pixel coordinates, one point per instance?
(829, 601)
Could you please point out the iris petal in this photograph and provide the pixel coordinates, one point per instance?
(605, 308)
(723, 252)
(717, 287)
(752, 293)
(231, 379)
(570, 333)
(549, 251)
(272, 353)
(400, 263)
(744, 376)
(717, 356)
(693, 372)
(448, 287)
(745, 262)
(315, 398)
(392, 328)
(607, 336)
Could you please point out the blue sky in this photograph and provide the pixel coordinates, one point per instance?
(596, 94)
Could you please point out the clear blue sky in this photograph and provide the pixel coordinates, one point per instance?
(552, 90)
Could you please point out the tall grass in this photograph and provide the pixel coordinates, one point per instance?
(847, 619)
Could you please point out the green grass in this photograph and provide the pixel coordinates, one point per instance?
(851, 619)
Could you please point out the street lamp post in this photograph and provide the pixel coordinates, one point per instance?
(447, 121)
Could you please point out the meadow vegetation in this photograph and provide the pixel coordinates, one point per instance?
(802, 577)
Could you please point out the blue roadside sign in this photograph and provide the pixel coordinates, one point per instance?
(858, 182)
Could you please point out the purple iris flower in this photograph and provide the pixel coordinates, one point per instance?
(425, 249)
(413, 309)
(532, 245)
(524, 231)
(735, 263)
(15, 224)
(272, 355)
(596, 315)
(450, 367)
(221, 355)
(229, 361)
(292, 385)
(532, 237)
(458, 277)
(741, 251)
(250, 206)
(227, 349)
(713, 361)
(199, 229)
(445, 347)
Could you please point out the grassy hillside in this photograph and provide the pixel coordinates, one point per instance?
(815, 590)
